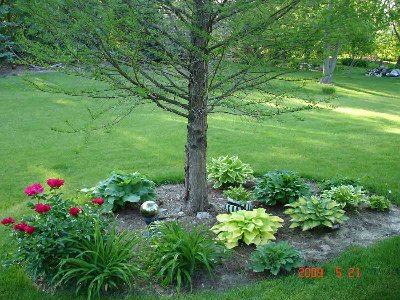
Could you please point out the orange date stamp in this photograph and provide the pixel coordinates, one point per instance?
(311, 272)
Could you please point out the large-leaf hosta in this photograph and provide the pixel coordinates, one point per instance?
(253, 227)
(312, 212)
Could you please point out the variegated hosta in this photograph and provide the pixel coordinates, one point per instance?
(227, 171)
(253, 227)
(312, 212)
(346, 195)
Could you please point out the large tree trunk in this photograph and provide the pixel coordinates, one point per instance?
(327, 70)
(329, 64)
(398, 38)
(196, 147)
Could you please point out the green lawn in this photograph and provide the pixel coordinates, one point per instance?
(358, 139)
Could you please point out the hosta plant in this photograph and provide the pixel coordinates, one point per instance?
(238, 194)
(103, 263)
(275, 257)
(379, 203)
(346, 195)
(308, 213)
(122, 188)
(252, 227)
(176, 253)
(227, 171)
(280, 187)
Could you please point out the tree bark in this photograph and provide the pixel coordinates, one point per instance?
(196, 147)
(398, 38)
(330, 64)
(327, 64)
(326, 68)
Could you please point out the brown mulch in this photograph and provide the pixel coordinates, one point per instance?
(363, 228)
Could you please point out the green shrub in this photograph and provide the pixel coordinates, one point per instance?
(346, 195)
(238, 194)
(357, 62)
(176, 254)
(379, 203)
(312, 212)
(228, 171)
(44, 238)
(253, 227)
(275, 257)
(328, 90)
(122, 188)
(105, 262)
(328, 184)
(280, 186)
(6, 29)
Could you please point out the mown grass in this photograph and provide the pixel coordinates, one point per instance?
(358, 139)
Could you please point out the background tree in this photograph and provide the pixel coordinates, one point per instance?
(6, 30)
(175, 54)
(390, 20)
(295, 41)
(324, 30)
(345, 24)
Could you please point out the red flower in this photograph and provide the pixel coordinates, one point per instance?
(34, 189)
(98, 201)
(55, 183)
(42, 208)
(7, 221)
(29, 229)
(74, 211)
(21, 226)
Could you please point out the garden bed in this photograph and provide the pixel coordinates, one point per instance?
(363, 228)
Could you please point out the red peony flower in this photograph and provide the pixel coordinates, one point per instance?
(42, 208)
(29, 229)
(55, 183)
(7, 221)
(21, 226)
(98, 201)
(34, 189)
(74, 211)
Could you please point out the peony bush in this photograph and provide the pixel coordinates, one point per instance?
(44, 238)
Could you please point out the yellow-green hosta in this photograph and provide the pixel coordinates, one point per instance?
(312, 212)
(253, 227)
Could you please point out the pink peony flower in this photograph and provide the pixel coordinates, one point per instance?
(42, 208)
(55, 183)
(74, 211)
(29, 229)
(98, 201)
(34, 189)
(20, 226)
(7, 221)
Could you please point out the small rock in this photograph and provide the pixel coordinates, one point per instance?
(336, 226)
(203, 215)
(177, 210)
(325, 248)
(180, 214)
(162, 213)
